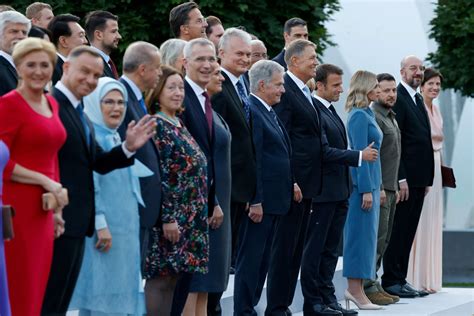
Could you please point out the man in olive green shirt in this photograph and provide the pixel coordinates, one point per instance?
(390, 152)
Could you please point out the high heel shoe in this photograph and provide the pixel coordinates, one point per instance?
(361, 306)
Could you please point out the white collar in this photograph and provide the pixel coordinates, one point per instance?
(232, 78)
(410, 90)
(65, 90)
(8, 57)
(63, 58)
(269, 108)
(297, 80)
(196, 88)
(325, 102)
(104, 55)
(135, 89)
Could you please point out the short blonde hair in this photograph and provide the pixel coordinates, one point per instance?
(33, 44)
(362, 82)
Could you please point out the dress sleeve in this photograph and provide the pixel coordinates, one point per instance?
(10, 123)
(165, 146)
(358, 127)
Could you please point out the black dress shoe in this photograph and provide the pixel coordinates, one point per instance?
(345, 312)
(421, 293)
(401, 291)
(319, 310)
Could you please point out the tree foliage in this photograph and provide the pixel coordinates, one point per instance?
(148, 20)
(453, 29)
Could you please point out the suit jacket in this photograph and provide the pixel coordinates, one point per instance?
(76, 163)
(58, 71)
(273, 153)
(308, 140)
(8, 76)
(280, 58)
(417, 162)
(150, 186)
(195, 121)
(228, 104)
(107, 70)
(336, 177)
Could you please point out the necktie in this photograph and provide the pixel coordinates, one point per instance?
(245, 100)
(142, 105)
(419, 100)
(274, 116)
(307, 94)
(114, 69)
(87, 132)
(208, 108)
(333, 110)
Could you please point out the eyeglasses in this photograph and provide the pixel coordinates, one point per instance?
(111, 102)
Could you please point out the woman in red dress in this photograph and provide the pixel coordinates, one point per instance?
(31, 128)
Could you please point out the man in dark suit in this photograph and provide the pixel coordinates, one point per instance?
(187, 22)
(78, 158)
(141, 70)
(102, 30)
(329, 208)
(66, 34)
(15, 28)
(295, 28)
(415, 176)
(274, 185)
(310, 148)
(200, 63)
(234, 106)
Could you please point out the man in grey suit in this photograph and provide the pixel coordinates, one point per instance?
(390, 152)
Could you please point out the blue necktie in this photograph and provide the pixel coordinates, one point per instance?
(87, 132)
(274, 116)
(245, 100)
(307, 94)
(143, 105)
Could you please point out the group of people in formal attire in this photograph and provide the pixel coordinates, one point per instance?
(140, 193)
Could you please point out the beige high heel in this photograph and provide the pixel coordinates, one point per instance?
(361, 306)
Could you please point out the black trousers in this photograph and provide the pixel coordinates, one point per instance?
(67, 260)
(321, 252)
(237, 213)
(397, 255)
(285, 258)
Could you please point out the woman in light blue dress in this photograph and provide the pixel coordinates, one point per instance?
(110, 282)
(360, 230)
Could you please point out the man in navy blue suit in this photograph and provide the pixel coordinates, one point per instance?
(301, 118)
(141, 69)
(330, 207)
(274, 189)
(295, 28)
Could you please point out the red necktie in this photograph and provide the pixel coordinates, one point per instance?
(114, 69)
(208, 108)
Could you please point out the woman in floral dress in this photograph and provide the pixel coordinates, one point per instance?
(180, 244)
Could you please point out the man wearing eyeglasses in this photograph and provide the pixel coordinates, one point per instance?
(415, 176)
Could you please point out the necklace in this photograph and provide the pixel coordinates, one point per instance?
(174, 121)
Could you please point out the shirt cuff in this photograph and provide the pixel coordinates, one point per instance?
(256, 204)
(402, 180)
(100, 222)
(360, 159)
(127, 152)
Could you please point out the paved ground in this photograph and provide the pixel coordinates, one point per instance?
(448, 302)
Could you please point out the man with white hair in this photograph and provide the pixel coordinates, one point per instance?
(234, 106)
(259, 51)
(14, 27)
(274, 188)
